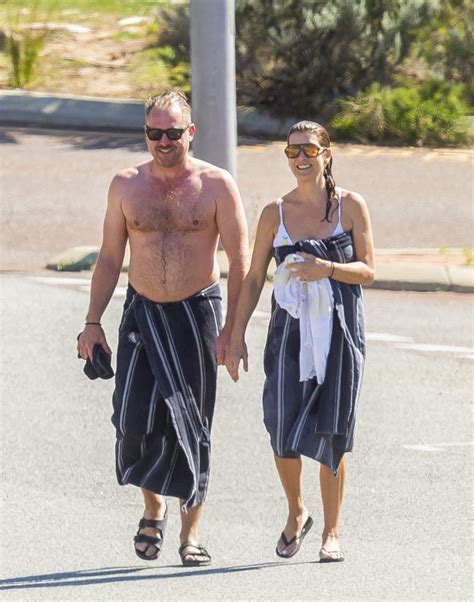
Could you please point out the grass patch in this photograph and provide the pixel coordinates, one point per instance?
(124, 7)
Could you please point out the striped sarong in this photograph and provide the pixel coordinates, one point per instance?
(308, 418)
(165, 388)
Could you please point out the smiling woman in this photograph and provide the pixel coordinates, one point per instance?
(320, 236)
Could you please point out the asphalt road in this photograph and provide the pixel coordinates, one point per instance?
(67, 527)
(54, 186)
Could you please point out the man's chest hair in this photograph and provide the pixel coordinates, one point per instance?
(180, 209)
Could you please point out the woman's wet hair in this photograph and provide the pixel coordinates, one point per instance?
(312, 127)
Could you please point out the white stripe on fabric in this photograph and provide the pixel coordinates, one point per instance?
(174, 459)
(128, 383)
(299, 429)
(155, 464)
(197, 336)
(281, 384)
(152, 408)
(214, 314)
(185, 388)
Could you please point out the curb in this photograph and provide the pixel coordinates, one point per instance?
(19, 108)
(397, 276)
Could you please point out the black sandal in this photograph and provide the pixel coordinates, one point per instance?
(201, 552)
(306, 527)
(157, 542)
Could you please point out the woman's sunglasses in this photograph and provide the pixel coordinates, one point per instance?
(171, 133)
(292, 151)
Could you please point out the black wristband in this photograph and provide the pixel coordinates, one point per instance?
(93, 324)
(332, 271)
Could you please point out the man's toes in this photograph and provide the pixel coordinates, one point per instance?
(151, 550)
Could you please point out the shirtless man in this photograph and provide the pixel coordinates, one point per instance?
(172, 209)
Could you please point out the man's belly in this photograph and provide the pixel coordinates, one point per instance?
(173, 266)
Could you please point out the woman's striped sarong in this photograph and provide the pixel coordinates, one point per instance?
(165, 393)
(306, 418)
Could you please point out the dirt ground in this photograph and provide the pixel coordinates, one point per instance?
(103, 61)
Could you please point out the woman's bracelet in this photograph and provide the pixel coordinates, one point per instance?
(93, 324)
(332, 269)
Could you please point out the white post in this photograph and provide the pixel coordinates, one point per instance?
(213, 82)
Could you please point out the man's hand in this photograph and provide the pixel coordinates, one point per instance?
(233, 354)
(91, 335)
(221, 344)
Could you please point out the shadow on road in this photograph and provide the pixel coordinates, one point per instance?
(124, 574)
(81, 140)
(7, 138)
(93, 140)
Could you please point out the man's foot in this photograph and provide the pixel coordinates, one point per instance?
(150, 534)
(292, 536)
(331, 550)
(194, 554)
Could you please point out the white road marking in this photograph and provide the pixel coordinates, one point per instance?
(438, 447)
(55, 280)
(387, 337)
(435, 348)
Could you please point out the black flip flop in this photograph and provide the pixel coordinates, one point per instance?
(157, 542)
(197, 546)
(306, 527)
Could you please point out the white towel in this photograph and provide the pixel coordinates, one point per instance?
(312, 303)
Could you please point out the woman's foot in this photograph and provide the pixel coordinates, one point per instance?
(331, 549)
(297, 526)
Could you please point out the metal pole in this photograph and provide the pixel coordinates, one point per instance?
(213, 81)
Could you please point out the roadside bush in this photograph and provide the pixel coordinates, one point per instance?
(431, 113)
(167, 56)
(296, 57)
(24, 39)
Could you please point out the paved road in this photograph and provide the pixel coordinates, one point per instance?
(54, 186)
(67, 527)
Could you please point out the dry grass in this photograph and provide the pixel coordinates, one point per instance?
(111, 59)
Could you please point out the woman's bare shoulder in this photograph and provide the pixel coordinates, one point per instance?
(352, 201)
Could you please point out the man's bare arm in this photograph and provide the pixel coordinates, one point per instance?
(107, 270)
(232, 226)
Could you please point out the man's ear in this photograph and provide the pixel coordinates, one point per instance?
(191, 131)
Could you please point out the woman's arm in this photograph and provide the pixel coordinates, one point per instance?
(361, 271)
(250, 291)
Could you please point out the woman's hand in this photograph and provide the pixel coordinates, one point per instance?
(312, 268)
(235, 352)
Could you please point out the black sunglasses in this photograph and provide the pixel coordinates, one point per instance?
(171, 133)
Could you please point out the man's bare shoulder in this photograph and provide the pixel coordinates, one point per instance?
(212, 174)
(130, 175)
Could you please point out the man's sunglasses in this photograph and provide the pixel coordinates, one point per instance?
(292, 151)
(171, 133)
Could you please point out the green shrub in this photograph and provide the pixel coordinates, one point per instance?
(430, 113)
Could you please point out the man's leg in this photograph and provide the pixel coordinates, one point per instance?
(155, 508)
(332, 493)
(290, 471)
(190, 531)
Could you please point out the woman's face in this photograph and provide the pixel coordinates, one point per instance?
(304, 167)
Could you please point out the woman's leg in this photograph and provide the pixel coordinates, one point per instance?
(332, 493)
(290, 471)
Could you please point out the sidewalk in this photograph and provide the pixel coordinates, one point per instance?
(396, 269)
